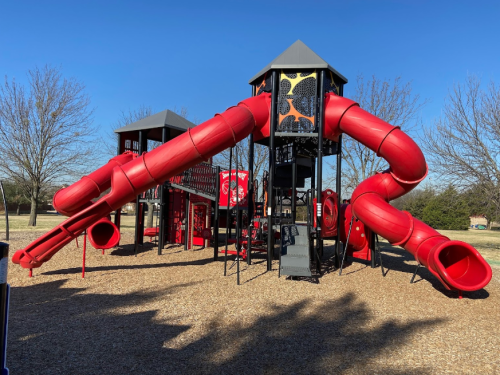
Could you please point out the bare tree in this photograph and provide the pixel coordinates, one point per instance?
(392, 101)
(464, 144)
(44, 131)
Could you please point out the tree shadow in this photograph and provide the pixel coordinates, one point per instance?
(129, 250)
(65, 271)
(398, 259)
(56, 330)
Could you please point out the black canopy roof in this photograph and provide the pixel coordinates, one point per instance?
(297, 56)
(154, 123)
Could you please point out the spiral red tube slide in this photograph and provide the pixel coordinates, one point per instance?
(456, 264)
(153, 168)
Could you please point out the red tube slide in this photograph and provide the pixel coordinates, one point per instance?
(74, 198)
(456, 264)
(153, 168)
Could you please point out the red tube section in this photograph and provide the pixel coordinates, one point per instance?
(359, 239)
(153, 168)
(456, 264)
(329, 215)
(68, 201)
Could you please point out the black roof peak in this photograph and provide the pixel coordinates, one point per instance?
(163, 119)
(297, 56)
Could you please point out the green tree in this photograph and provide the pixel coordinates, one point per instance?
(415, 201)
(447, 210)
(14, 194)
(480, 203)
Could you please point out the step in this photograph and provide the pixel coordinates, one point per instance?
(300, 240)
(296, 250)
(302, 229)
(295, 266)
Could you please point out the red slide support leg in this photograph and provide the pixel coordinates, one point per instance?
(457, 265)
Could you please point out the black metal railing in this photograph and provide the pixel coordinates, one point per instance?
(201, 177)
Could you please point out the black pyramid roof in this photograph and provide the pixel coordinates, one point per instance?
(163, 119)
(297, 56)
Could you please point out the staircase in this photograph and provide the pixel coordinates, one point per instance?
(295, 252)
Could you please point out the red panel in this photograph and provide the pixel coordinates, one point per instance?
(228, 183)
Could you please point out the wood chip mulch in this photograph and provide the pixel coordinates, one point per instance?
(177, 314)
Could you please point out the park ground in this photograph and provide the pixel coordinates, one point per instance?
(176, 313)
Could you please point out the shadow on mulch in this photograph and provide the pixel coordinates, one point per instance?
(56, 330)
(396, 259)
(199, 262)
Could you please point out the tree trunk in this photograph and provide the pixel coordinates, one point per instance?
(149, 219)
(18, 210)
(34, 206)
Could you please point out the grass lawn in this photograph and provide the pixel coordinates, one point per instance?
(46, 222)
(487, 242)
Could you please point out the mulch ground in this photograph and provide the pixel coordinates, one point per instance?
(177, 314)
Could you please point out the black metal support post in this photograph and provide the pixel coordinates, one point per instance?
(294, 185)
(228, 211)
(6, 212)
(373, 254)
(161, 232)
(139, 212)
(415, 273)
(216, 214)
(251, 192)
(338, 187)
(321, 122)
(345, 247)
(238, 219)
(4, 306)
(186, 223)
(311, 202)
(272, 165)
(379, 251)
(118, 212)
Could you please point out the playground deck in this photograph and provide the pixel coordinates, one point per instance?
(177, 314)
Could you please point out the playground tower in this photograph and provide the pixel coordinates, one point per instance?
(297, 80)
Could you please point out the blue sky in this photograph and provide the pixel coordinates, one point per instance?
(201, 54)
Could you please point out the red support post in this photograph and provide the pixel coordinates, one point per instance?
(84, 253)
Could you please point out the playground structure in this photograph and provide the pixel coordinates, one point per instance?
(298, 111)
